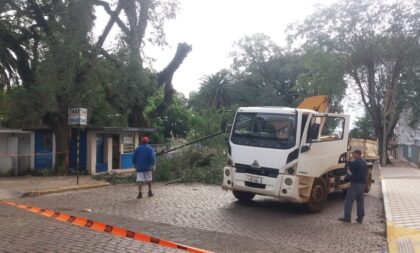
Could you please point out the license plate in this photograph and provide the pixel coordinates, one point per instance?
(253, 179)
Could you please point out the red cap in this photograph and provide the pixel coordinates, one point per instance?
(145, 140)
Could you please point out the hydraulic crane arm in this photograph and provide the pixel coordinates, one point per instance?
(316, 103)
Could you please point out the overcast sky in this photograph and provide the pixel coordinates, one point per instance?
(212, 26)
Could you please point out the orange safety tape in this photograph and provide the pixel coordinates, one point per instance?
(102, 227)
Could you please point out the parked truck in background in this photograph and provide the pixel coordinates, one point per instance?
(297, 154)
(369, 150)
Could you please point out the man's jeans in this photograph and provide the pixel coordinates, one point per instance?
(355, 192)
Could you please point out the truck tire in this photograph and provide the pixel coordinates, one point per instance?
(369, 181)
(243, 196)
(318, 196)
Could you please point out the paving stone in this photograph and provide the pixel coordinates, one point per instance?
(206, 217)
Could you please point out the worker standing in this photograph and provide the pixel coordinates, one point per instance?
(359, 172)
(144, 161)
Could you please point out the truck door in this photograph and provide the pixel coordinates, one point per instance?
(326, 140)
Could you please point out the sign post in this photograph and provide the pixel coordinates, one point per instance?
(78, 118)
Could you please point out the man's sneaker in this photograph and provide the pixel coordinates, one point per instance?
(150, 194)
(140, 195)
(360, 221)
(344, 220)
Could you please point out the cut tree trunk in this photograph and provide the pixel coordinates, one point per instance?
(62, 149)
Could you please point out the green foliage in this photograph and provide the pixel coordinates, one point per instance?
(204, 165)
(215, 91)
(205, 122)
(117, 178)
(200, 163)
(4, 106)
(377, 44)
(363, 128)
(44, 172)
(176, 121)
(263, 74)
(324, 75)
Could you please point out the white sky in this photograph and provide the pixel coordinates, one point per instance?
(212, 26)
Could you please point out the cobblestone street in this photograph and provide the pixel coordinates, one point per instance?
(197, 215)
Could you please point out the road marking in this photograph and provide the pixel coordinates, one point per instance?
(104, 228)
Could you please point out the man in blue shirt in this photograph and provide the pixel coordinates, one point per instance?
(359, 172)
(144, 161)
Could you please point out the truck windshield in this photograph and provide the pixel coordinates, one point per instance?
(269, 130)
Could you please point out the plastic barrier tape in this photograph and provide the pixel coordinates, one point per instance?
(101, 227)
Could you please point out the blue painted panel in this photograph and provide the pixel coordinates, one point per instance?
(43, 149)
(73, 150)
(127, 161)
(101, 166)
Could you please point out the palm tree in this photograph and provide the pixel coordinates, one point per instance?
(214, 89)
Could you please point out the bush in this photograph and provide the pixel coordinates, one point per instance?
(117, 178)
(201, 165)
(196, 164)
(44, 172)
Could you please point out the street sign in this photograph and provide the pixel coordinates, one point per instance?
(77, 117)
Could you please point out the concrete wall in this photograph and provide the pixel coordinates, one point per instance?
(410, 153)
(16, 153)
(108, 143)
(108, 152)
(5, 161)
(91, 152)
(26, 148)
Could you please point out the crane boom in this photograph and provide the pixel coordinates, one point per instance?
(316, 103)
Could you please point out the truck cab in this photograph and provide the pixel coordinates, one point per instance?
(287, 153)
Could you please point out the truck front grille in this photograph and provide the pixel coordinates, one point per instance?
(255, 185)
(263, 171)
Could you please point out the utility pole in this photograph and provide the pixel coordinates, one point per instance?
(78, 155)
(384, 146)
(384, 142)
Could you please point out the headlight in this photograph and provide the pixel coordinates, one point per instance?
(288, 181)
(227, 172)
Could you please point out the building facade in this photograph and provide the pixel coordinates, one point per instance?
(22, 151)
(408, 140)
(105, 149)
(101, 150)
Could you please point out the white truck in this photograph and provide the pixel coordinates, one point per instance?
(296, 154)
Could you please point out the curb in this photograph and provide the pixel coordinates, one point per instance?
(62, 189)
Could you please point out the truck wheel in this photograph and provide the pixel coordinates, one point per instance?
(369, 181)
(243, 196)
(318, 196)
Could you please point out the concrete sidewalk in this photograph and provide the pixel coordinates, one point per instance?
(401, 192)
(30, 186)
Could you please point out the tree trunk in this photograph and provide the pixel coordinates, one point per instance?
(136, 117)
(165, 77)
(380, 148)
(62, 149)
